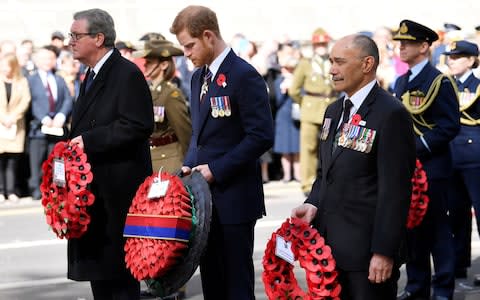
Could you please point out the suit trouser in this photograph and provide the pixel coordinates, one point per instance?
(433, 236)
(464, 192)
(308, 154)
(226, 267)
(356, 286)
(120, 289)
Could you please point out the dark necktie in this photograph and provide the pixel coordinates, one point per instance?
(207, 78)
(347, 107)
(402, 85)
(89, 80)
(51, 100)
(459, 85)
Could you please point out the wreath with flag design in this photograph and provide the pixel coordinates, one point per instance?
(65, 205)
(313, 255)
(157, 229)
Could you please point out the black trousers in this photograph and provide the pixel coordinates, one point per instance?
(356, 286)
(8, 172)
(120, 289)
(226, 267)
(38, 149)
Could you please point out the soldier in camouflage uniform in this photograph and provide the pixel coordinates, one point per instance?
(173, 129)
(312, 89)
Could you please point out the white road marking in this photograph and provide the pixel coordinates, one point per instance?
(30, 244)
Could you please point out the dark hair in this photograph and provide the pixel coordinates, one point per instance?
(195, 19)
(99, 21)
(53, 49)
(476, 63)
(368, 47)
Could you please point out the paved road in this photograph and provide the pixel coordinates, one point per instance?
(33, 261)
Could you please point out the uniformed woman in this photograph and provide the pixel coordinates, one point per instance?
(171, 136)
(465, 190)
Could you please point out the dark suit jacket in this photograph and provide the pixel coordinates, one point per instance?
(363, 198)
(231, 146)
(40, 105)
(115, 119)
(444, 113)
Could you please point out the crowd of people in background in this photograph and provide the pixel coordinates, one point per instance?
(26, 102)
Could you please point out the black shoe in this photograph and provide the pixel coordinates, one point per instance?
(406, 295)
(476, 280)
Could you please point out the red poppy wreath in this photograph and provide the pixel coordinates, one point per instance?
(419, 200)
(65, 205)
(157, 227)
(313, 255)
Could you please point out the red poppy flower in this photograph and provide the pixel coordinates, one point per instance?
(62, 213)
(356, 118)
(159, 255)
(305, 240)
(222, 80)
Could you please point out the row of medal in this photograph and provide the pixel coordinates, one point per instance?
(466, 98)
(220, 106)
(158, 113)
(357, 138)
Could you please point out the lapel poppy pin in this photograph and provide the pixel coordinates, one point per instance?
(356, 119)
(222, 80)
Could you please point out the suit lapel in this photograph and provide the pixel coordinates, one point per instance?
(214, 89)
(87, 98)
(363, 111)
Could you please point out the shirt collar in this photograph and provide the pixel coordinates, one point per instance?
(465, 76)
(102, 61)
(215, 65)
(417, 69)
(358, 98)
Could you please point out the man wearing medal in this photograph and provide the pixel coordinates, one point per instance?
(436, 121)
(356, 199)
(225, 148)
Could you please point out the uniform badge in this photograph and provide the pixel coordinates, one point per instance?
(416, 98)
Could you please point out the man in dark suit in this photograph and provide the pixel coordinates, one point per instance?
(431, 100)
(232, 126)
(112, 120)
(51, 106)
(360, 199)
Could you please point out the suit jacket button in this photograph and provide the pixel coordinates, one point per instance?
(470, 141)
(92, 123)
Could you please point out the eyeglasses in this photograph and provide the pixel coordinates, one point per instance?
(76, 36)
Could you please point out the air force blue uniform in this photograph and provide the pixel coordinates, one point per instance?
(433, 235)
(465, 147)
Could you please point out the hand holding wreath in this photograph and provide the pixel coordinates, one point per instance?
(65, 205)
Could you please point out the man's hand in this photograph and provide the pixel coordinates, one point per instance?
(380, 268)
(77, 140)
(186, 170)
(305, 212)
(205, 171)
